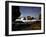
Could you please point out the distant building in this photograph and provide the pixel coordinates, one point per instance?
(25, 18)
(29, 18)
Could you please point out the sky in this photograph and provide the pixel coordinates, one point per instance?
(30, 11)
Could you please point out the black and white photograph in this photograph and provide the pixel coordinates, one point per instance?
(24, 18)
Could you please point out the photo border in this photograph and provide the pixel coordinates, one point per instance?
(7, 17)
